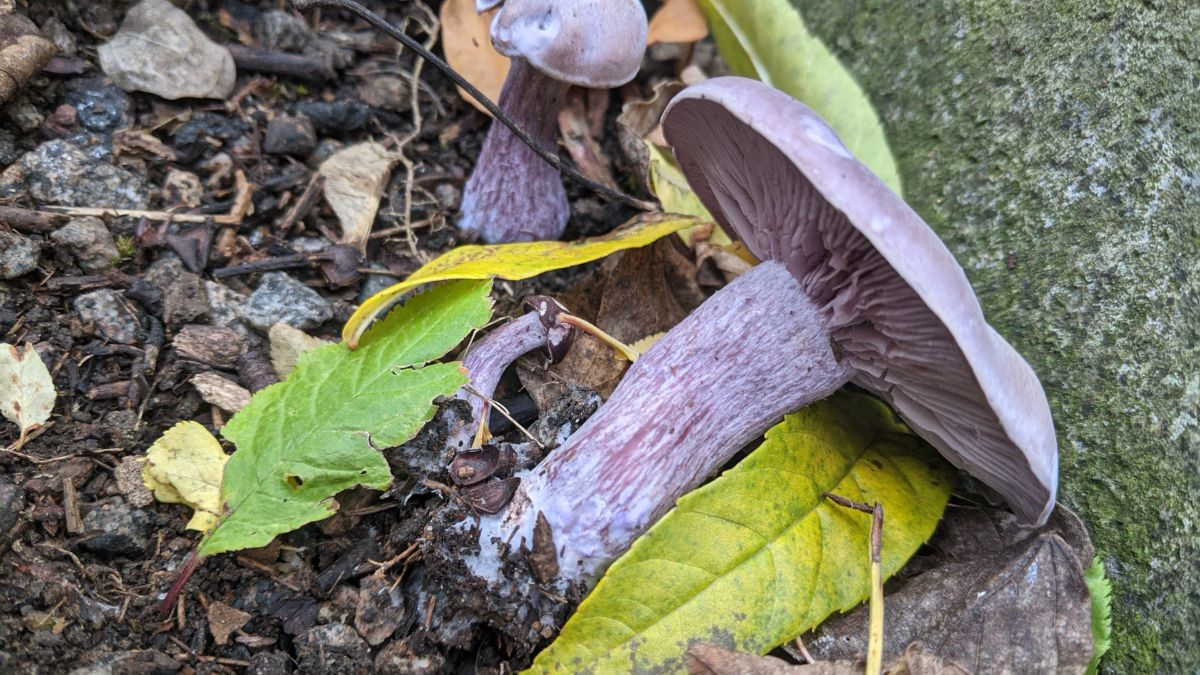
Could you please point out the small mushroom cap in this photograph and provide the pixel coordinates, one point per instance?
(590, 43)
(899, 306)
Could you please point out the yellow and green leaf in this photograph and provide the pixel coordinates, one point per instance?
(514, 261)
(756, 557)
(303, 440)
(184, 466)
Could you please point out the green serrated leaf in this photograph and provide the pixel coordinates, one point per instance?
(304, 440)
(1100, 588)
(757, 556)
(767, 40)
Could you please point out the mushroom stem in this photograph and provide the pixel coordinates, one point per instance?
(512, 195)
(486, 362)
(756, 350)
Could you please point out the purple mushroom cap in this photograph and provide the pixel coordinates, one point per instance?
(899, 307)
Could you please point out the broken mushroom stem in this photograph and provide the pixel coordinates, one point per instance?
(487, 360)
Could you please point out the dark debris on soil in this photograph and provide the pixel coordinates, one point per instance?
(125, 311)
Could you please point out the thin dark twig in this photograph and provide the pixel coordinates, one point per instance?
(382, 25)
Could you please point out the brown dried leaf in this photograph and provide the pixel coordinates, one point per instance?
(468, 47)
(580, 140)
(677, 21)
(355, 178)
(638, 122)
(1023, 607)
(223, 620)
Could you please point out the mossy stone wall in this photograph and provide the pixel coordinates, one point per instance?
(1056, 147)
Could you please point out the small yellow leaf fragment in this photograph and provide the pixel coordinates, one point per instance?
(26, 390)
(515, 261)
(677, 21)
(185, 466)
(646, 343)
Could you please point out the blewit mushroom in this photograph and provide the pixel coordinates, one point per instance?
(854, 288)
(512, 195)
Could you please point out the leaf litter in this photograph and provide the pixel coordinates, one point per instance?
(27, 393)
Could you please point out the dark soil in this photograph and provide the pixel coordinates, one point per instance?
(83, 566)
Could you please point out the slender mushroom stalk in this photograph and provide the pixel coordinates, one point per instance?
(487, 360)
(855, 287)
(513, 195)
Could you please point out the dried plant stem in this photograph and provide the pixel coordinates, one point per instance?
(875, 613)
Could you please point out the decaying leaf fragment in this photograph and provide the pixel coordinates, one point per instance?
(1006, 600)
(26, 391)
(185, 466)
(354, 181)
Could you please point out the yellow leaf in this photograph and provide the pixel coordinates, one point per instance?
(515, 261)
(26, 390)
(757, 556)
(185, 466)
(676, 195)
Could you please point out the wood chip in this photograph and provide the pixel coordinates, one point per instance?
(216, 346)
(221, 392)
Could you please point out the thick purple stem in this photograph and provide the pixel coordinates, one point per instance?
(513, 195)
(486, 362)
(756, 350)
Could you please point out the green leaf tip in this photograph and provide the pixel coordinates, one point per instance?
(303, 440)
(1100, 589)
(756, 557)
